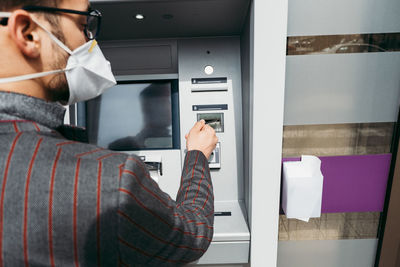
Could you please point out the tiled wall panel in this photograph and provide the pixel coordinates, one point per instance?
(342, 88)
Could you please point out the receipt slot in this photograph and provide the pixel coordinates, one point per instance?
(215, 158)
(165, 84)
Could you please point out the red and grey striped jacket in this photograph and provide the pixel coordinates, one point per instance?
(66, 203)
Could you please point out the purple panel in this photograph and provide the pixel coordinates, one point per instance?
(353, 183)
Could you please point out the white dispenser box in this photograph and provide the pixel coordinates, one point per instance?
(302, 188)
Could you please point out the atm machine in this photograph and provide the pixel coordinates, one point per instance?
(173, 71)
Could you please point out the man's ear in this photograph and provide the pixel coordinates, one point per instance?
(24, 31)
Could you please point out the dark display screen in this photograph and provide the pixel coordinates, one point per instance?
(133, 116)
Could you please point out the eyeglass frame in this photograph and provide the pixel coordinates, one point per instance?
(90, 13)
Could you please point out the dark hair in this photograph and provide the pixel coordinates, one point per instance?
(9, 5)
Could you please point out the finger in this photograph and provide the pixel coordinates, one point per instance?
(199, 125)
(186, 136)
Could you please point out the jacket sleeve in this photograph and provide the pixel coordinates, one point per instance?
(155, 230)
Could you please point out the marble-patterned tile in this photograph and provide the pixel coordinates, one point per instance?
(368, 215)
(337, 139)
(365, 228)
(281, 227)
(308, 234)
(337, 229)
(351, 216)
(322, 235)
(316, 222)
(300, 230)
(333, 216)
(377, 215)
(284, 221)
(283, 235)
(330, 226)
(291, 228)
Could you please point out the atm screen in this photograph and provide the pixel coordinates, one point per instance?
(134, 116)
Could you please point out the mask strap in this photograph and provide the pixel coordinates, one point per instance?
(29, 76)
(5, 14)
(57, 41)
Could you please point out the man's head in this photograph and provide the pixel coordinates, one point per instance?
(27, 48)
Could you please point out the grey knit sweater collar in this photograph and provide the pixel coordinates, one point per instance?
(14, 106)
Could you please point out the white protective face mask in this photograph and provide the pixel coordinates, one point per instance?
(88, 72)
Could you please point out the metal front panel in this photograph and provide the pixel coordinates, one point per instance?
(226, 253)
(224, 55)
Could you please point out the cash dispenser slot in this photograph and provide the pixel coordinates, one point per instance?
(222, 213)
(154, 165)
(209, 84)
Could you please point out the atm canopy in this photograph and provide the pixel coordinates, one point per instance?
(171, 18)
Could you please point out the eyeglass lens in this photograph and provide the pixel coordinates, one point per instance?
(92, 27)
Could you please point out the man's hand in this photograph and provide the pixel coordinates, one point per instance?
(201, 137)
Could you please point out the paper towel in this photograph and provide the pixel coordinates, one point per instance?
(302, 188)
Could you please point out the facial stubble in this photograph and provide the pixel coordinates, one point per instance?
(57, 89)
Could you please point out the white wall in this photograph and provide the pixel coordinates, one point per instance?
(270, 25)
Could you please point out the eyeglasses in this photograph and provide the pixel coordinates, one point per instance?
(93, 18)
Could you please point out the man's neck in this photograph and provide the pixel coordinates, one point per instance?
(28, 87)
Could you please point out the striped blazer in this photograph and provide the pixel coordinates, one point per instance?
(67, 203)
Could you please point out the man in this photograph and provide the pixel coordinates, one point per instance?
(65, 203)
